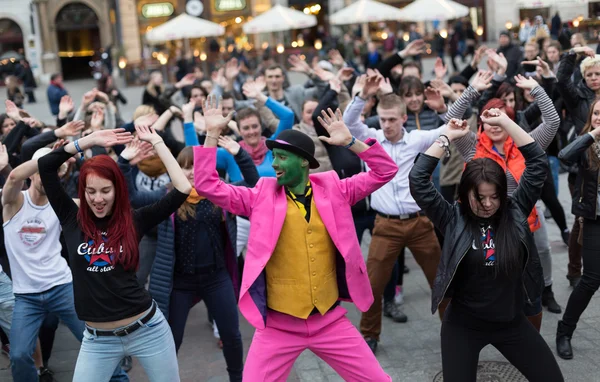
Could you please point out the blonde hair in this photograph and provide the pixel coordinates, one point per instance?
(142, 110)
(392, 101)
(589, 62)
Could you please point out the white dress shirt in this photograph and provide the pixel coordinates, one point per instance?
(393, 198)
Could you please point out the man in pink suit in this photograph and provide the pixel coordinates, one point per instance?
(303, 254)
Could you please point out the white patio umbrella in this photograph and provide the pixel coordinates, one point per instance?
(431, 10)
(182, 27)
(529, 4)
(365, 11)
(278, 19)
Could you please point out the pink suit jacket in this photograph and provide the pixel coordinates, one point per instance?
(266, 206)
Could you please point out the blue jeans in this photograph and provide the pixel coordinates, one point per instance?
(30, 311)
(554, 168)
(7, 302)
(152, 345)
(216, 289)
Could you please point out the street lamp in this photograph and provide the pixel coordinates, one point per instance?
(280, 48)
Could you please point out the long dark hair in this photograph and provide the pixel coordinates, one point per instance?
(507, 244)
(593, 160)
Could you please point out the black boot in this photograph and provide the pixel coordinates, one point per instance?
(563, 341)
(549, 301)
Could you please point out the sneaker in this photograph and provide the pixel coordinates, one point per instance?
(126, 364)
(45, 375)
(394, 312)
(5, 350)
(399, 297)
(372, 343)
(216, 331)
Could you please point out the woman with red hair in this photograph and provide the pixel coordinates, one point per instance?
(494, 142)
(102, 233)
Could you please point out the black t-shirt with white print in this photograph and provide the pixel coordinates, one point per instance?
(479, 290)
(103, 291)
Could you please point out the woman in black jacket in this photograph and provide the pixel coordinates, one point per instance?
(489, 263)
(585, 151)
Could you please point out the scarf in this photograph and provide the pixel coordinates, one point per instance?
(152, 166)
(596, 147)
(513, 161)
(256, 153)
(193, 197)
(56, 84)
(304, 202)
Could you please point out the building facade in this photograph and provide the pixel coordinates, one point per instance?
(17, 31)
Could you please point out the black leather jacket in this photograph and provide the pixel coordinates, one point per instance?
(585, 194)
(449, 219)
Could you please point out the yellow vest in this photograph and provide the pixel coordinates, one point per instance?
(301, 271)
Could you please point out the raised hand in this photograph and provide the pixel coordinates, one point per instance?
(385, 87)
(177, 112)
(339, 135)
(260, 83)
(500, 61)
(65, 106)
(108, 138)
(495, 117)
(12, 110)
(456, 128)
(232, 69)
(3, 157)
(131, 150)
(188, 111)
(525, 83)
(102, 96)
(70, 129)
(89, 97)
(187, 80)
(229, 144)
(323, 74)
(213, 116)
(414, 48)
(585, 50)
(146, 120)
(336, 59)
(335, 85)
(359, 84)
(440, 69)
(298, 64)
(482, 81)
(371, 87)
(251, 89)
(434, 99)
(148, 134)
(479, 53)
(443, 87)
(146, 151)
(97, 119)
(345, 74)
(32, 122)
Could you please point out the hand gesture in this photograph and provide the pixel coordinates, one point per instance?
(229, 144)
(479, 53)
(97, 119)
(220, 78)
(145, 151)
(146, 120)
(233, 126)
(456, 129)
(70, 129)
(414, 48)
(482, 81)
(323, 74)
(187, 80)
(345, 74)
(188, 110)
(499, 59)
(232, 69)
(525, 83)
(371, 87)
(147, 134)
(213, 116)
(131, 150)
(434, 99)
(252, 89)
(385, 87)
(32, 122)
(199, 123)
(495, 117)
(89, 97)
(66, 105)
(176, 111)
(3, 157)
(109, 138)
(359, 84)
(542, 66)
(585, 50)
(298, 64)
(444, 89)
(339, 135)
(440, 69)
(336, 59)
(12, 110)
(102, 96)
(335, 85)
(260, 83)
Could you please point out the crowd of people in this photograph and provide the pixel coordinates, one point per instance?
(117, 228)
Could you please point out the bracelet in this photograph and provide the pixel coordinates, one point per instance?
(76, 143)
(351, 143)
(445, 136)
(161, 141)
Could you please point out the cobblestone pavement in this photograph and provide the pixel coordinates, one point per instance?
(408, 352)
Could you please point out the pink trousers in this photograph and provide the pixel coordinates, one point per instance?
(331, 337)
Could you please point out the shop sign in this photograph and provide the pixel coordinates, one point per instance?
(157, 10)
(229, 5)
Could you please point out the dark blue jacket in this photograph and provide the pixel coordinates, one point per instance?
(54, 94)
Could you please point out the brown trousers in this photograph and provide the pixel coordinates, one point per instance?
(390, 236)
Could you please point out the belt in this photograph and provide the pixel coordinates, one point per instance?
(403, 216)
(127, 329)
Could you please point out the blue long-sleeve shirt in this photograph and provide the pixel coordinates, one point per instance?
(225, 160)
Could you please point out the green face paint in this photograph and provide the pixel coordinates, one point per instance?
(291, 169)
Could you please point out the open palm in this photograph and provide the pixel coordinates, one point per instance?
(213, 115)
(339, 135)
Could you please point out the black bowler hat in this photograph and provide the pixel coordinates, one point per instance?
(296, 142)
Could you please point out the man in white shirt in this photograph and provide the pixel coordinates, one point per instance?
(399, 222)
